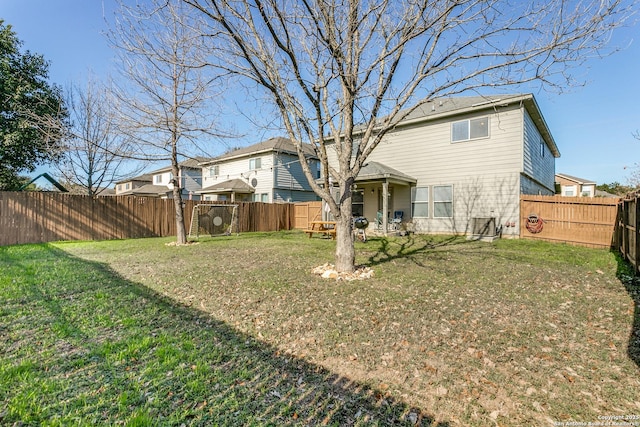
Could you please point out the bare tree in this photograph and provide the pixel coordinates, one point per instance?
(166, 105)
(344, 73)
(96, 154)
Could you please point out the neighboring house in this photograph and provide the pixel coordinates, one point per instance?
(158, 182)
(269, 171)
(455, 162)
(572, 186)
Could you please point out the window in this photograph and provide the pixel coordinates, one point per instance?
(542, 147)
(357, 203)
(470, 129)
(127, 185)
(420, 202)
(442, 201)
(255, 163)
(262, 197)
(119, 187)
(157, 179)
(214, 171)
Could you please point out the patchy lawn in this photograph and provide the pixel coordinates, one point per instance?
(236, 331)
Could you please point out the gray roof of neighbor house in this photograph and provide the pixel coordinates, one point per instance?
(575, 179)
(146, 190)
(445, 107)
(233, 185)
(147, 177)
(194, 163)
(278, 144)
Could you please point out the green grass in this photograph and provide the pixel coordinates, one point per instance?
(237, 331)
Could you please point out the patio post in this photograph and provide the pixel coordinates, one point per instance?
(385, 206)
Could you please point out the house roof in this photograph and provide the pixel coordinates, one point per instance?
(231, 186)
(374, 171)
(147, 189)
(147, 177)
(446, 107)
(278, 144)
(194, 163)
(575, 179)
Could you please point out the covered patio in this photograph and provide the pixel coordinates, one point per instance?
(232, 190)
(381, 193)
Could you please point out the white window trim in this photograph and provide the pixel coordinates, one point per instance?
(421, 202)
(468, 121)
(442, 201)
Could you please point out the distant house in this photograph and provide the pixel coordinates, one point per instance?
(458, 164)
(157, 183)
(572, 186)
(268, 171)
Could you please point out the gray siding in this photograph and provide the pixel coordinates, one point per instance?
(288, 173)
(294, 196)
(192, 179)
(537, 167)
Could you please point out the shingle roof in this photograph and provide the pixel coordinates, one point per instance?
(233, 185)
(444, 107)
(147, 177)
(147, 189)
(278, 144)
(376, 171)
(575, 179)
(194, 163)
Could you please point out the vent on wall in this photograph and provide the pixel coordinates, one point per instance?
(483, 227)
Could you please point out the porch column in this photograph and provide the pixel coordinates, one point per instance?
(385, 206)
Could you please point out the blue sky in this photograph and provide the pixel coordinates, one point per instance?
(592, 125)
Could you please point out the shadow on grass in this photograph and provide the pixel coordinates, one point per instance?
(631, 283)
(81, 344)
(408, 247)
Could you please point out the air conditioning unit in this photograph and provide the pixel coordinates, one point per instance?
(484, 229)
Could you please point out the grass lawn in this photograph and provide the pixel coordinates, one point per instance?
(237, 331)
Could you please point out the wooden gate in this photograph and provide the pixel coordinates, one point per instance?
(305, 212)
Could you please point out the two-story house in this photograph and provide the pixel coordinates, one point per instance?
(572, 186)
(268, 171)
(456, 162)
(158, 182)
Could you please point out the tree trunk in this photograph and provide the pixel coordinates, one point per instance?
(345, 251)
(181, 233)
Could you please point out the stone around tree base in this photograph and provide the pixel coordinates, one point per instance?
(328, 271)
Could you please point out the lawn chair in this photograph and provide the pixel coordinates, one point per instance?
(379, 221)
(397, 219)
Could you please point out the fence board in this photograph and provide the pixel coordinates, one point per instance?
(34, 217)
(580, 221)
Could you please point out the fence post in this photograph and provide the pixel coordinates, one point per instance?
(637, 235)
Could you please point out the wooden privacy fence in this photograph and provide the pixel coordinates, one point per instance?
(35, 217)
(582, 221)
(628, 239)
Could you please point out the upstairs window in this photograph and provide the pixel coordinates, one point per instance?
(158, 179)
(214, 171)
(255, 163)
(466, 130)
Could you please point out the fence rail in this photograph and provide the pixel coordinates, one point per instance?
(35, 217)
(582, 221)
